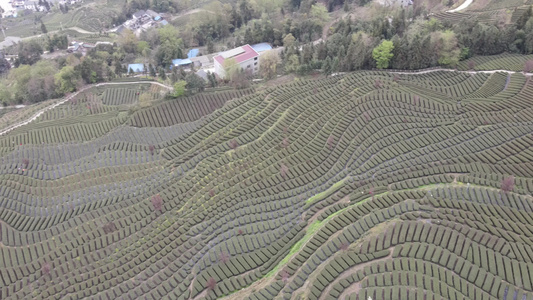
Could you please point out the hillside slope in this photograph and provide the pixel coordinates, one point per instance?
(366, 184)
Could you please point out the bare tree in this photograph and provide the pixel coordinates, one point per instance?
(224, 257)
(46, 268)
(211, 284)
(528, 66)
(416, 99)
(109, 227)
(233, 144)
(331, 141)
(211, 193)
(285, 275)
(344, 246)
(284, 170)
(508, 184)
(471, 65)
(157, 202)
(25, 163)
(285, 142)
(378, 84)
(151, 148)
(240, 232)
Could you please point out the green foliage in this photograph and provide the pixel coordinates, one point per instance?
(28, 53)
(382, 54)
(179, 88)
(66, 80)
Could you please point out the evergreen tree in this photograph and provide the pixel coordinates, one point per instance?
(152, 70)
(327, 66)
(43, 27)
(162, 73)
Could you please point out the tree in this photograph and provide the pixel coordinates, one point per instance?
(508, 184)
(210, 46)
(25, 163)
(331, 142)
(327, 66)
(66, 80)
(179, 88)
(109, 227)
(157, 202)
(128, 41)
(268, 64)
(194, 82)
(283, 171)
(319, 13)
(29, 53)
(152, 70)
(151, 148)
(233, 144)
(211, 284)
(292, 63)
(383, 54)
(43, 27)
(448, 52)
(46, 268)
(224, 257)
(528, 66)
(162, 73)
(288, 40)
(230, 68)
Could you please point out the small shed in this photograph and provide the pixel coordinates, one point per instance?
(137, 68)
(163, 23)
(178, 62)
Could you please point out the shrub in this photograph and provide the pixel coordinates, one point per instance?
(508, 184)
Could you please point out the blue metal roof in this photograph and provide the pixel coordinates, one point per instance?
(261, 47)
(181, 62)
(192, 53)
(136, 67)
(157, 18)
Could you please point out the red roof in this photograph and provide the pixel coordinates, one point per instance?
(248, 53)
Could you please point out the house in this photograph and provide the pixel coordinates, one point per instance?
(163, 23)
(136, 68)
(18, 4)
(139, 14)
(200, 61)
(153, 14)
(245, 56)
(202, 74)
(34, 5)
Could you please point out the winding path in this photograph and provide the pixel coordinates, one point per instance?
(462, 6)
(70, 97)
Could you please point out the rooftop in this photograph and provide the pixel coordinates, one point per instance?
(240, 54)
(136, 67)
(262, 47)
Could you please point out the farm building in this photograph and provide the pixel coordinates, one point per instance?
(178, 62)
(136, 68)
(245, 56)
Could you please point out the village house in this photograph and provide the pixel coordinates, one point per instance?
(245, 56)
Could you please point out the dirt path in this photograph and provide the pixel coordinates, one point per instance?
(462, 6)
(70, 97)
(190, 12)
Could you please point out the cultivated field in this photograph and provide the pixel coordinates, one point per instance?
(368, 184)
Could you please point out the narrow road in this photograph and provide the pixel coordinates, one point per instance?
(70, 97)
(462, 6)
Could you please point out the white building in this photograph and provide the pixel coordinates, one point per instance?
(245, 56)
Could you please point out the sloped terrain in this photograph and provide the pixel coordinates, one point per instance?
(366, 184)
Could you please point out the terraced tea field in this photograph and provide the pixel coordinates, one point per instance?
(363, 185)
